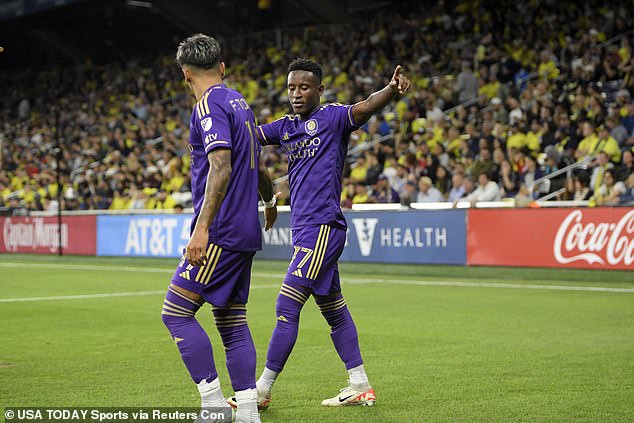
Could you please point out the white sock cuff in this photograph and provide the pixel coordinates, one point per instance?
(247, 395)
(357, 376)
(269, 374)
(204, 386)
(359, 370)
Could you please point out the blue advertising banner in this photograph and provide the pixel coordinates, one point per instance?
(143, 235)
(420, 236)
(416, 236)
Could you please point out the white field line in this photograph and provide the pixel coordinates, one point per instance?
(491, 285)
(280, 276)
(107, 295)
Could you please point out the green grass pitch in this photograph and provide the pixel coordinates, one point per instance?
(440, 344)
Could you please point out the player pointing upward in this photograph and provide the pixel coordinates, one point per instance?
(316, 142)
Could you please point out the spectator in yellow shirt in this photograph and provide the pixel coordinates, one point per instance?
(606, 143)
(547, 67)
(585, 147)
(119, 202)
(29, 197)
(516, 140)
(534, 136)
(4, 193)
(361, 195)
(359, 172)
(491, 88)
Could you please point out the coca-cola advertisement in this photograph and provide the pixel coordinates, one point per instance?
(40, 235)
(589, 238)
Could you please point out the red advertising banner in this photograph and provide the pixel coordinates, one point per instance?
(39, 235)
(590, 238)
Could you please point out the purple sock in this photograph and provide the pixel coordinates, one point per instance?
(288, 307)
(241, 359)
(191, 339)
(343, 331)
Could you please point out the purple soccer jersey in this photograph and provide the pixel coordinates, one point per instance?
(223, 119)
(316, 150)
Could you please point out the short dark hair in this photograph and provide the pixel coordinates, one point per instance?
(306, 65)
(200, 51)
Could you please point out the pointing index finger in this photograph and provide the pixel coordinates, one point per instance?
(397, 71)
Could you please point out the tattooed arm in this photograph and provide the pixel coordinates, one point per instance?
(215, 190)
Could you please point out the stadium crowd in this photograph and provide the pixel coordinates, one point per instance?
(501, 98)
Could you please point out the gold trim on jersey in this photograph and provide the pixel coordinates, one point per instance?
(202, 107)
(205, 272)
(205, 104)
(264, 140)
(252, 163)
(350, 116)
(320, 252)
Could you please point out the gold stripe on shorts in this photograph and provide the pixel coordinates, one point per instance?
(320, 252)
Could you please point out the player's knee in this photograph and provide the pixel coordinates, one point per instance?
(178, 309)
(333, 308)
(336, 318)
(176, 325)
(226, 318)
(166, 319)
(289, 304)
(288, 311)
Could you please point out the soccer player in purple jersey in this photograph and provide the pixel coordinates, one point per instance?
(216, 267)
(316, 142)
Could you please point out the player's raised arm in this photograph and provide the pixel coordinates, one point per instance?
(215, 190)
(399, 84)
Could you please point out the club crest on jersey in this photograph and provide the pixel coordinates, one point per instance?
(206, 123)
(311, 127)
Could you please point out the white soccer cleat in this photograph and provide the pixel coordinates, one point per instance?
(351, 396)
(263, 401)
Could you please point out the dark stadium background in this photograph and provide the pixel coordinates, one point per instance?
(106, 31)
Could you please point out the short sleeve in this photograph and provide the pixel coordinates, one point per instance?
(270, 133)
(342, 115)
(215, 126)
